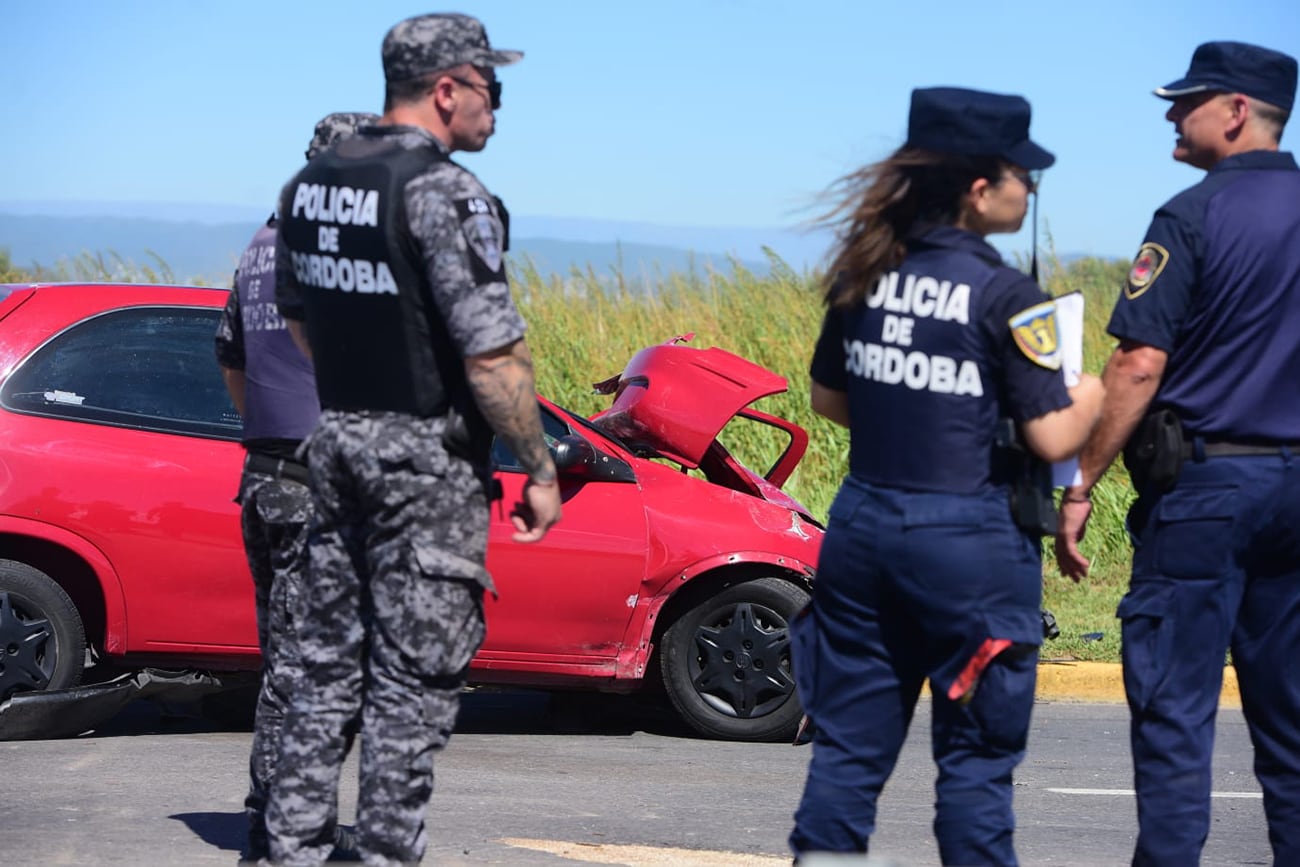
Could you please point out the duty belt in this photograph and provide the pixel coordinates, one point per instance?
(280, 468)
(1218, 448)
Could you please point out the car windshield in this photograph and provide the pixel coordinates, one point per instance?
(592, 426)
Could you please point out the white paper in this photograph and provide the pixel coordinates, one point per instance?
(1069, 333)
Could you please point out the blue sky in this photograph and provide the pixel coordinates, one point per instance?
(712, 113)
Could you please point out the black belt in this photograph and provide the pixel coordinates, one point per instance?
(280, 468)
(1223, 449)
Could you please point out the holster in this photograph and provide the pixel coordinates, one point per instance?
(1030, 481)
(467, 435)
(1154, 454)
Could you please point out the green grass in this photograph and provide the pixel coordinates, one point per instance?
(584, 327)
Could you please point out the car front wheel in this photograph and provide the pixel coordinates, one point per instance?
(726, 662)
(42, 640)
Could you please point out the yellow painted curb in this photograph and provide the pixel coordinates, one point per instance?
(1104, 681)
(645, 856)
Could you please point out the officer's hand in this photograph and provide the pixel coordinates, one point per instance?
(536, 511)
(1070, 528)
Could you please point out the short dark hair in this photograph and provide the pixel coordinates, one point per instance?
(408, 91)
(414, 89)
(1271, 116)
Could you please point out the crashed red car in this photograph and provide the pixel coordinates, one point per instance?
(120, 550)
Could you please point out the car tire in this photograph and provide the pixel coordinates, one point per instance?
(726, 662)
(42, 639)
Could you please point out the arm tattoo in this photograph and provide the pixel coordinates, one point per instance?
(502, 383)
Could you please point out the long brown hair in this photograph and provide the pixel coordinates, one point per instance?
(879, 204)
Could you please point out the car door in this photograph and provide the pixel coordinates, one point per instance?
(564, 602)
(129, 440)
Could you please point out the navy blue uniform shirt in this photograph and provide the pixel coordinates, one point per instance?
(1216, 284)
(280, 405)
(939, 350)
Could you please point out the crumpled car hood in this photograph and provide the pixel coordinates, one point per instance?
(675, 399)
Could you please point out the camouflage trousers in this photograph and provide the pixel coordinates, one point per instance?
(392, 615)
(274, 519)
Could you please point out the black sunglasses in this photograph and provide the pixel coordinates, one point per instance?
(493, 88)
(1030, 178)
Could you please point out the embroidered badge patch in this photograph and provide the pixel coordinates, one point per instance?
(481, 232)
(1147, 265)
(1034, 331)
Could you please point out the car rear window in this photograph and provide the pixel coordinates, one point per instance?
(150, 368)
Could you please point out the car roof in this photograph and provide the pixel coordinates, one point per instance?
(104, 295)
(75, 286)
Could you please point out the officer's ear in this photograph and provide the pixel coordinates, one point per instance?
(443, 93)
(976, 198)
(1239, 111)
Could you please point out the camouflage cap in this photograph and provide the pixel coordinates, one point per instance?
(432, 43)
(332, 128)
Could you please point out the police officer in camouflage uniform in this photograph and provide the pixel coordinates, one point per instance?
(391, 272)
(273, 387)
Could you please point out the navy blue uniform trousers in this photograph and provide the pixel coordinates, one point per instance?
(1216, 565)
(913, 586)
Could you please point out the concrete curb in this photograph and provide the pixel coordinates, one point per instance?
(1062, 680)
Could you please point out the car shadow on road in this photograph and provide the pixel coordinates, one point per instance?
(538, 712)
(483, 710)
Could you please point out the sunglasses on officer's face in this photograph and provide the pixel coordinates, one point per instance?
(1031, 179)
(493, 88)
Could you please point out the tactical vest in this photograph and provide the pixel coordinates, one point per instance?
(280, 389)
(377, 338)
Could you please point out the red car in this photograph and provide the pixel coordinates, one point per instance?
(120, 544)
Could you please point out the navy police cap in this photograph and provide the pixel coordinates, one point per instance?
(1238, 67)
(955, 120)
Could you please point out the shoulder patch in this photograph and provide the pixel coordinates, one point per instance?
(1034, 331)
(1150, 261)
(482, 232)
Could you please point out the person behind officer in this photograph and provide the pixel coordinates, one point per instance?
(928, 340)
(390, 267)
(272, 385)
(1203, 395)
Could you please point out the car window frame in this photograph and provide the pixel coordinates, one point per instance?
(70, 404)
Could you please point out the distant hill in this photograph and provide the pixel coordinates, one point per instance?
(193, 251)
(200, 243)
(208, 253)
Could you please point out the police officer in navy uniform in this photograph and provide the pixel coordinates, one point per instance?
(391, 272)
(1203, 394)
(273, 387)
(928, 341)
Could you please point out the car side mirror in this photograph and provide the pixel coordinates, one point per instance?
(576, 457)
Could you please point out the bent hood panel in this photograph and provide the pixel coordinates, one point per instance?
(676, 399)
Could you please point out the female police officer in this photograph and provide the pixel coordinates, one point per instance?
(929, 339)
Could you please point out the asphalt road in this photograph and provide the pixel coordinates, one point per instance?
(602, 782)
